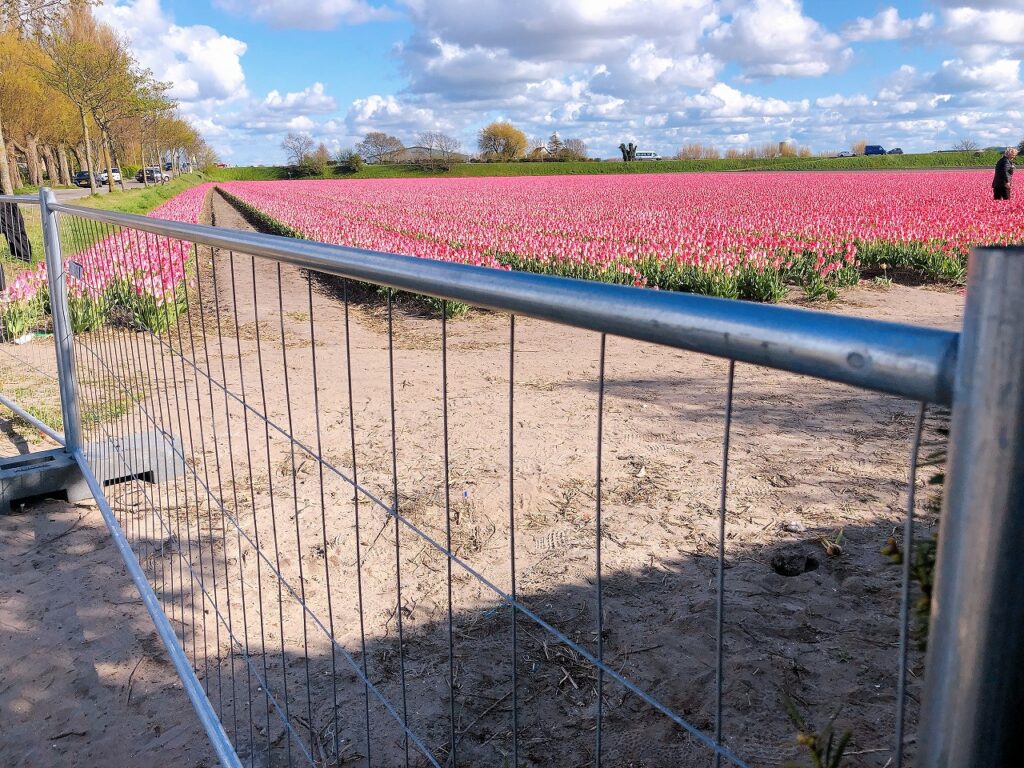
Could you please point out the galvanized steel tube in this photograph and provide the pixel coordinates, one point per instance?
(973, 706)
(909, 361)
(57, 437)
(189, 682)
(62, 334)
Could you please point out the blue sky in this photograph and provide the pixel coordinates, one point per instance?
(920, 74)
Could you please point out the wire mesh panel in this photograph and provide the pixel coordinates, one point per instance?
(389, 534)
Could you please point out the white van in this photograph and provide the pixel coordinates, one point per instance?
(648, 156)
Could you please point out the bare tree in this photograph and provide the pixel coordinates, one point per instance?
(574, 149)
(966, 145)
(30, 17)
(379, 147)
(441, 148)
(296, 146)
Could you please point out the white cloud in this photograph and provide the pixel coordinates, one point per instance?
(311, 99)
(1000, 75)
(981, 4)
(773, 38)
(722, 100)
(656, 67)
(887, 25)
(567, 30)
(302, 124)
(201, 64)
(307, 14)
(838, 100)
(976, 26)
(387, 113)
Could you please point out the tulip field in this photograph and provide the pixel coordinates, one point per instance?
(138, 274)
(738, 235)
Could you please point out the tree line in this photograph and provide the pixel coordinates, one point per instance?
(432, 150)
(72, 96)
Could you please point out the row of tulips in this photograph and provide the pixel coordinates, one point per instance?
(742, 235)
(139, 277)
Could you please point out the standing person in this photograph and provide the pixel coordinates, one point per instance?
(1004, 175)
(12, 226)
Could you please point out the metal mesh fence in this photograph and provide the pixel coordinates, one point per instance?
(385, 536)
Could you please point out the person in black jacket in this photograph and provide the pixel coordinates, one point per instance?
(1004, 175)
(12, 226)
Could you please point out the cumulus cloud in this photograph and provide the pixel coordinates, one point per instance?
(1000, 75)
(655, 67)
(722, 100)
(887, 25)
(311, 99)
(569, 30)
(389, 114)
(773, 38)
(308, 14)
(985, 26)
(201, 64)
(838, 100)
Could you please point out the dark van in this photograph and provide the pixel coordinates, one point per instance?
(874, 149)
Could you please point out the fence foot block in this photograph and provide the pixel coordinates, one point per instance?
(51, 474)
(150, 456)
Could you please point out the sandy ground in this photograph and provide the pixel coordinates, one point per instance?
(86, 680)
(808, 460)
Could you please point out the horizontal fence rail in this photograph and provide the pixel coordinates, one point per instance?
(371, 536)
(910, 361)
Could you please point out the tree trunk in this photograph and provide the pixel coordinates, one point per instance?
(12, 159)
(52, 175)
(113, 155)
(105, 145)
(88, 152)
(142, 151)
(62, 163)
(6, 186)
(78, 150)
(31, 150)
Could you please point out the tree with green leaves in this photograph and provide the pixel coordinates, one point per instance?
(501, 141)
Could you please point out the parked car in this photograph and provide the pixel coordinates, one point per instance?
(896, 151)
(846, 153)
(874, 149)
(153, 175)
(81, 179)
(648, 156)
(102, 178)
(168, 166)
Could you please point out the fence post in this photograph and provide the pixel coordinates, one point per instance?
(62, 338)
(973, 706)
